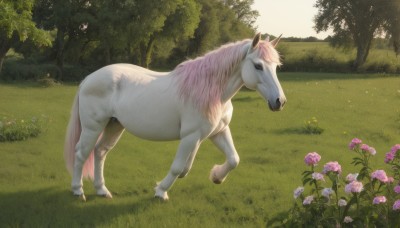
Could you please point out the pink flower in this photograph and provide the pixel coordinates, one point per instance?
(380, 175)
(354, 187)
(355, 142)
(351, 177)
(397, 189)
(396, 205)
(379, 200)
(395, 148)
(332, 167)
(312, 158)
(318, 176)
(389, 157)
(308, 200)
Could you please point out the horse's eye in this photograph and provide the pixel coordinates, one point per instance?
(258, 66)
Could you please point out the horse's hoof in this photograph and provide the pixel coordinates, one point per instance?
(214, 176)
(162, 198)
(81, 197)
(160, 194)
(108, 195)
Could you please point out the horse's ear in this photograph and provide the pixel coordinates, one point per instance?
(256, 40)
(275, 41)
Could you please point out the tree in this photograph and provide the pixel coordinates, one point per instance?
(355, 22)
(16, 26)
(219, 24)
(243, 11)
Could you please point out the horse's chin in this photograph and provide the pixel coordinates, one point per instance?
(274, 109)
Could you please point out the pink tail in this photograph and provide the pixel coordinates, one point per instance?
(72, 137)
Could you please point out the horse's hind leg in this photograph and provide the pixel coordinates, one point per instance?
(110, 137)
(84, 147)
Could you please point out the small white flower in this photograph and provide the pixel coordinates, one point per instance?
(326, 192)
(318, 176)
(342, 203)
(351, 177)
(308, 200)
(347, 219)
(297, 192)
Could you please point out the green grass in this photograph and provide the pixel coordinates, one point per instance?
(35, 186)
(321, 57)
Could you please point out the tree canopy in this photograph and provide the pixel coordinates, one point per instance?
(356, 22)
(16, 25)
(143, 32)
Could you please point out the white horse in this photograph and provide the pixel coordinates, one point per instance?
(190, 104)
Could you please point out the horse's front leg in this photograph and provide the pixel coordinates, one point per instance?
(223, 140)
(188, 146)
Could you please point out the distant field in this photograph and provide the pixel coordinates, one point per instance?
(35, 186)
(321, 57)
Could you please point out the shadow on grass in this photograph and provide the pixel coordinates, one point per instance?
(54, 208)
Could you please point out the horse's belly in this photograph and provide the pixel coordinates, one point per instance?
(151, 120)
(153, 129)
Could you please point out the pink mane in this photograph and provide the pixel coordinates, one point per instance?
(268, 52)
(203, 79)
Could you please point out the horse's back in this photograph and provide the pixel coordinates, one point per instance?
(144, 101)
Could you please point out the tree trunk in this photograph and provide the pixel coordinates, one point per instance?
(362, 53)
(146, 50)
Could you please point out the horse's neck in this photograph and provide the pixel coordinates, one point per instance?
(234, 84)
(235, 81)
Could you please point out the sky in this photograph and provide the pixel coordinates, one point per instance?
(287, 17)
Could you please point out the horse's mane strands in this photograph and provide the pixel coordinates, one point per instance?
(203, 79)
(269, 53)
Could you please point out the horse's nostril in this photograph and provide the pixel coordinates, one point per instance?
(278, 102)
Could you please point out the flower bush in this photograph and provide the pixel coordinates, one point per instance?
(17, 130)
(369, 198)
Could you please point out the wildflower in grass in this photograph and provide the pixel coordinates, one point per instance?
(318, 176)
(396, 205)
(379, 200)
(308, 200)
(347, 219)
(351, 177)
(342, 203)
(397, 189)
(354, 143)
(395, 148)
(380, 175)
(389, 157)
(368, 149)
(326, 192)
(354, 187)
(297, 192)
(312, 158)
(332, 167)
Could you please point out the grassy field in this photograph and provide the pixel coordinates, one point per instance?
(35, 186)
(321, 57)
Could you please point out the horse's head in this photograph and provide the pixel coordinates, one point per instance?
(259, 71)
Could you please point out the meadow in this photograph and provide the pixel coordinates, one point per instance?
(35, 186)
(322, 57)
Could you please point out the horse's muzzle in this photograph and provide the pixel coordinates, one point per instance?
(277, 105)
